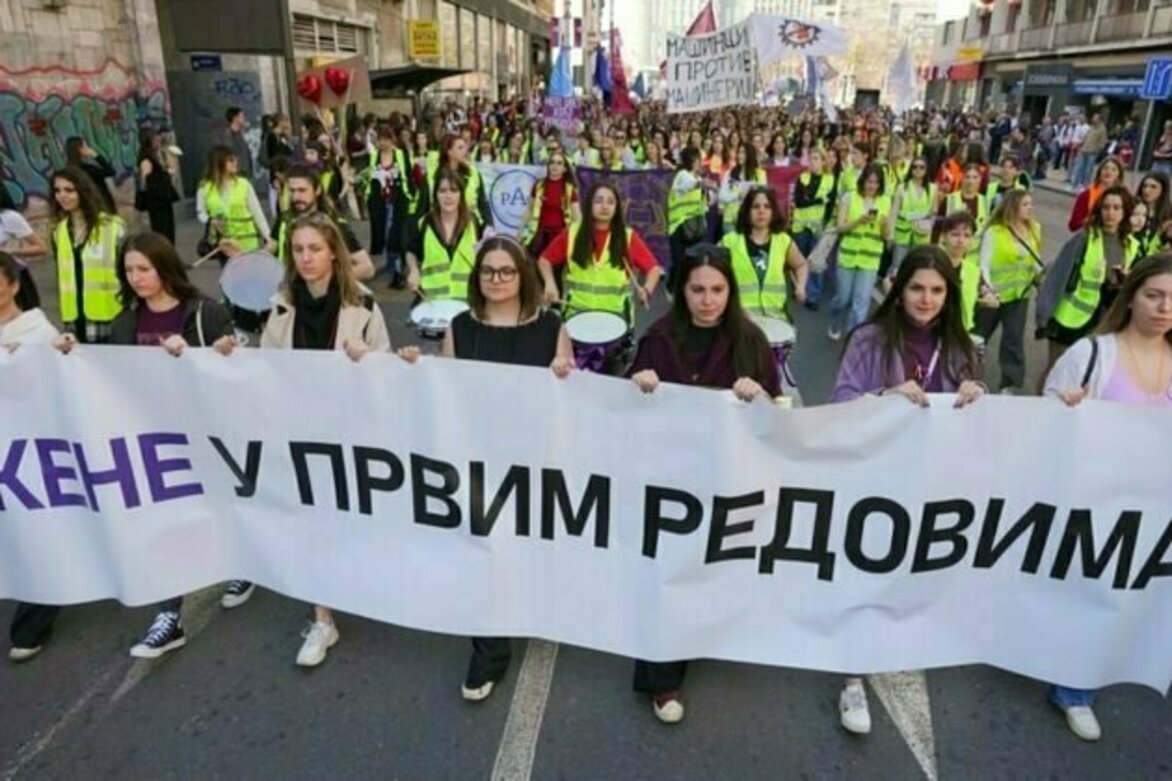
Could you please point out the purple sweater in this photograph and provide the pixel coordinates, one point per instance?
(658, 351)
(862, 370)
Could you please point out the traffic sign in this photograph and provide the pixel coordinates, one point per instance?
(1158, 79)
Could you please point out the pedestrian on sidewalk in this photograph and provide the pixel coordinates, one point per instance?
(1094, 144)
(1107, 175)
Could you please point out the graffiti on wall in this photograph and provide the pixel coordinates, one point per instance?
(42, 107)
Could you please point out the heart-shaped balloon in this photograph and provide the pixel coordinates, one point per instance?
(338, 79)
(309, 87)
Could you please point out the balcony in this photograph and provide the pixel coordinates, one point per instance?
(1074, 34)
(1001, 44)
(1037, 38)
(1122, 27)
(1143, 28)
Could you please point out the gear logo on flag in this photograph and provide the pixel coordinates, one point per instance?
(798, 35)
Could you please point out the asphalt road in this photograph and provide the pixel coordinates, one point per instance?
(386, 704)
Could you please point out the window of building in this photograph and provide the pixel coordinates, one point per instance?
(984, 23)
(1011, 17)
(948, 29)
(467, 39)
(449, 35)
(325, 35)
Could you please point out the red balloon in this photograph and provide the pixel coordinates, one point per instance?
(309, 87)
(338, 79)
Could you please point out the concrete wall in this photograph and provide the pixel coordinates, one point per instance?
(92, 69)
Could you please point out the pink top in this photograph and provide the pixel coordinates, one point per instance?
(1121, 387)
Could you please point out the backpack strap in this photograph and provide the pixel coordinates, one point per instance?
(1086, 377)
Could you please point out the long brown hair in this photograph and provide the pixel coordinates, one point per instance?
(216, 169)
(343, 273)
(751, 355)
(1095, 220)
(1119, 315)
(744, 214)
(956, 348)
(165, 259)
(463, 213)
(582, 252)
(528, 293)
(89, 201)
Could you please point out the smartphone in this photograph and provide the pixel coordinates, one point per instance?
(873, 212)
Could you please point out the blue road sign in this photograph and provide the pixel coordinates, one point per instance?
(206, 62)
(1158, 79)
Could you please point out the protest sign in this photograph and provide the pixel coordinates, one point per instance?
(711, 71)
(498, 500)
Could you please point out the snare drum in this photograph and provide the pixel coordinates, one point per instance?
(249, 281)
(433, 317)
(597, 337)
(782, 338)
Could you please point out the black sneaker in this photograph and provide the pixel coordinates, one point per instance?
(166, 634)
(237, 593)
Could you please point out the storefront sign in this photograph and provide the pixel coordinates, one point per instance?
(1119, 88)
(965, 71)
(1048, 77)
(423, 39)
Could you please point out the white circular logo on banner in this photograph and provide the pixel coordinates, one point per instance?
(509, 197)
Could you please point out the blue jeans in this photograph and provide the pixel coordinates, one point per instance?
(1162, 165)
(806, 241)
(852, 300)
(1065, 697)
(1084, 169)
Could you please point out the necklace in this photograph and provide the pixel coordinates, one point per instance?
(1142, 375)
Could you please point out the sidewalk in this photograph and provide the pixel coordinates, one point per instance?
(1056, 182)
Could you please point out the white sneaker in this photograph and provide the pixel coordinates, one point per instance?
(1082, 722)
(852, 707)
(669, 708)
(320, 637)
(23, 654)
(834, 335)
(478, 694)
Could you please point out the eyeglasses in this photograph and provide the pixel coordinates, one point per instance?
(504, 274)
(919, 167)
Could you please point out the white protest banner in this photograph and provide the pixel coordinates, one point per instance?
(509, 188)
(777, 37)
(711, 71)
(472, 498)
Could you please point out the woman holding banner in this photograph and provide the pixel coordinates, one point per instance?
(1128, 361)
(505, 324)
(706, 340)
(322, 307)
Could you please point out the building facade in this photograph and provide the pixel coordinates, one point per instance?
(1049, 57)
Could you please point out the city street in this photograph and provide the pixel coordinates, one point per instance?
(387, 703)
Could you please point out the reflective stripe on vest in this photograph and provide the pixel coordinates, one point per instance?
(914, 205)
(813, 218)
(99, 281)
(601, 286)
(238, 224)
(765, 297)
(443, 275)
(1077, 307)
(1011, 268)
(862, 247)
(681, 208)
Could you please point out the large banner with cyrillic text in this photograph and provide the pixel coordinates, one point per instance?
(471, 498)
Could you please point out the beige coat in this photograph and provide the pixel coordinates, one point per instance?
(354, 323)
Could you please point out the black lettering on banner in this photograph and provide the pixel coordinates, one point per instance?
(368, 483)
(247, 476)
(301, 451)
(421, 491)
(595, 501)
(1039, 516)
(1080, 533)
(654, 498)
(819, 552)
(720, 528)
(901, 525)
(121, 473)
(931, 534)
(516, 483)
(10, 480)
(1155, 566)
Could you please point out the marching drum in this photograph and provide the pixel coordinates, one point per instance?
(782, 338)
(249, 281)
(597, 336)
(433, 317)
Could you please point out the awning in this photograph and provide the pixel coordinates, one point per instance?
(404, 79)
(1122, 88)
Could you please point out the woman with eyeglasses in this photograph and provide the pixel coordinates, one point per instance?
(914, 204)
(705, 340)
(1129, 360)
(553, 205)
(505, 323)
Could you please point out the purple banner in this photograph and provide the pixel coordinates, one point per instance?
(644, 199)
(562, 113)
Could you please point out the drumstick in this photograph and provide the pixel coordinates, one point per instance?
(205, 258)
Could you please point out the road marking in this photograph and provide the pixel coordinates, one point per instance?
(32, 750)
(905, 696)
(198, 610)
(518, 749)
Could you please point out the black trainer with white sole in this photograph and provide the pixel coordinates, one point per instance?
(166, 634)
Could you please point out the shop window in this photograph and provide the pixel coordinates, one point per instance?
(325, 35)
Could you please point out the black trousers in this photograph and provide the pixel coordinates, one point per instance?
(489, 662)
(163, 221)
(656, 678)
(32, 624)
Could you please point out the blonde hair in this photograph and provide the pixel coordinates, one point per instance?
(350, 290)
